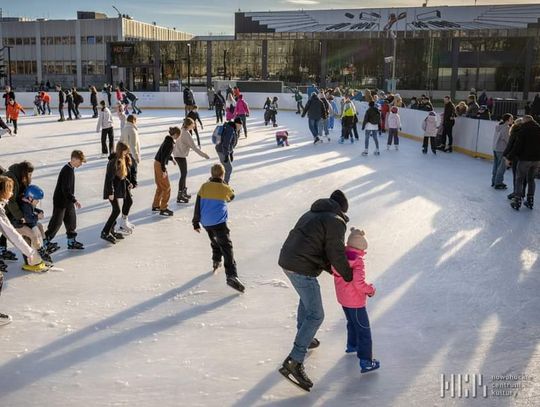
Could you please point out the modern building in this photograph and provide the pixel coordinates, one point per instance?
(72, 52)
(447, 48)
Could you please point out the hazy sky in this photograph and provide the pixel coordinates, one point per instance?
(199, 17)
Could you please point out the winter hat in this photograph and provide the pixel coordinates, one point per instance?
(341, 199)
(394, 109)
(357, 240)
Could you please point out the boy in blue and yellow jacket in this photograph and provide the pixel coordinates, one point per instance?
(211, 212)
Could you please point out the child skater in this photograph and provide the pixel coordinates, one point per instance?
(194, 115)
(13, 109)
(394, 125)
(211, 212)
(32, 228)
(352, 297)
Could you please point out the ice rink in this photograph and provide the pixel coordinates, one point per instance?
(145, 323)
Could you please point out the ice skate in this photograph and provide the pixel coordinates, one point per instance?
(396, 147)
(314, 343)
(235, 283)
(367, 365)
(181, 198)
(215, 265)
(166, 212)
(501, 186)
(5, 319)
(3, 267)
(8, 255)
(317, 140)
(117, 235)
(529, 203)
(365, 153)
(74, 245)
(38, 268)
(108, 237)
(377, 152)
(46, 257)
(350, 349)
(516, 203)
(424, 151)
(123, 227)
(295, 373)
(341, 140)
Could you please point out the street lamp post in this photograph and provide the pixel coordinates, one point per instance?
(394, 36)
(224, 63)
(189, 65)
(9, 63)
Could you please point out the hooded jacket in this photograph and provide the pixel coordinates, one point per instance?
(353, 294)
(130, 137)
(184, 144)
(527, 143)
(13, 208)
(189, 100)
(502, 134)
(430, 125)
(373, 117)
(316, 242)
(314, 108)
(241, 107)
(229, 139)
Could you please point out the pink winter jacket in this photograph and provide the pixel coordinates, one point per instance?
(241, 107)
(353, 294)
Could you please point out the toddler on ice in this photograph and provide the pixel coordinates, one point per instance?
(352, 297)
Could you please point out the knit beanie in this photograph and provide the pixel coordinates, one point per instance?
(357, 240)
(341, 199)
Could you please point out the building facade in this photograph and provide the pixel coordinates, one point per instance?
(72, 52)
(436, 48)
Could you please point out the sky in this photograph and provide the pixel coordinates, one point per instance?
(210, 16)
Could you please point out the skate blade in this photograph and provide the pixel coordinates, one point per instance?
(287, 375)
(54, 268)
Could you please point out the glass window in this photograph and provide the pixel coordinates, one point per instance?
(90, 40)
(99, 39)
(26, 41)
(83, 40)
(32, 40)
(18, 41)
(57, 40)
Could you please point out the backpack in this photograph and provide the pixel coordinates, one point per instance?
(216, 135)
(79, 98)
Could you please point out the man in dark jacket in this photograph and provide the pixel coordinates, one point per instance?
(315, 244)
(226, 145)
(526, 151)
(449, 119)
(61, 101)
(8, 95)
(315, 112)
(189, 100)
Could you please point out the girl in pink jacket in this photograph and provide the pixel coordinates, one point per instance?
(352, 297)
(242, 111)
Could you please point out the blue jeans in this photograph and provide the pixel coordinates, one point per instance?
(323, 125)
(359, 332)
(228, 166)
(314, 127)
(499, 167)
(372, 133)
(310, 313)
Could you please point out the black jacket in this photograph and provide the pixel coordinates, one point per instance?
(188, 97)
(13, 207)
(118, 187)
(93, 99)
(449, 114)
(219, 101)
(64, 193)
(195, 117)
(314, 108)
(526, 146)
(372, 116)
(61, 97)
(164, 153)
(317, 242)
(7, 96)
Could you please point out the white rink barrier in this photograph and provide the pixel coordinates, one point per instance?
(471, 136)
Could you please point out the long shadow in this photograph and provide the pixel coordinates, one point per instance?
(40, 363)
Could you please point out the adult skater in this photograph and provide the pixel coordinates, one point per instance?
(70, 105)
(181, 151)
(219, 104)
(347, 120)
(371, 125)
(514, 132)
(298, 99)
(77, 100)
(449, 119)
(105, 125)
(242, 111)
(316, 243)
(211, 211)
(189, 100)
(526, 151)
(117, 186)
(226, 145)
(61, 101)
(64, 206)
(194, 115)
(211, 94)
(500, 141)
(133, 99)
(7, 96)
(315, 111)
(161, 176)
(94, 101)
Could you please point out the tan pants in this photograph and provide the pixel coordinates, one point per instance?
(163, 190)
(35, 235)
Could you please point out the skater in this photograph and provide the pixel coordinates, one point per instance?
(514, 132)
(121, 115)
(70, 104)
(298, 99)
(347, 120)
(3, 130)
(61, 101)
(13, 109)
(32, 228)
(231, 105)
(37, 105)
(46, 102)
(323, 123)
(194, 115)
(34, 262)
(211, 212)
(189, 100)
(77, 100)
(500, 141)
(180, 153)
(130, 137)
(449, 119)
(526, 152)
(211, 94)
(394, 126)
(315, 111)
(161, 177)
(430, 126)
(372, 126)
(274, 111)
(266, 108)
(226, 145)
(242, 111)
(94, 101)
(352, 297)
(64, 205)
(316, 243)
(117, 186)
(219, 104)
(108, 90)
(335, 112)
(7, 96)
(133, 99)
(118, 94)
(105, 124)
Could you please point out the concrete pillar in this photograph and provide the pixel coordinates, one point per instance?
(39, 58)
(264, 61)
(529, 57)
(78, 53)
(324, 62)
(455, 66)
(157, 65)
(208, 64)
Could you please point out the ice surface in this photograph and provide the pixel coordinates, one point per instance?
(145, 323)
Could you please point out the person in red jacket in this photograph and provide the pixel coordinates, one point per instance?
(13, 109)
(45, 102)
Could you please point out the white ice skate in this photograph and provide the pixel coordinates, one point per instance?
(123, 226)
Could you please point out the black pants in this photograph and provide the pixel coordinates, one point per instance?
(94, 108)
(77, 113)
(67, 216)
(447, 131)
(299, 106)
(244, 123)
(355, 130)
(3, 241)
(71, 108)
(219, 114)
(430, 140)
(14, 125)
(104, 134)
(61, 111)
(346, 131)
(197, 134)
(182, 164)
(109, 225)
(221, 244)
(127, 204)
(525, 177)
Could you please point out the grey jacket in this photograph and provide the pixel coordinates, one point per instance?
(502, 134)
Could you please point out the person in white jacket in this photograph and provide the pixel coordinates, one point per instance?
(394, 125)
(105, 124)
(181, 150)
(121, 114)
(430, 125)
(130, 137)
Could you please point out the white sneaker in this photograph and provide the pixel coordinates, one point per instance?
(5, 319)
